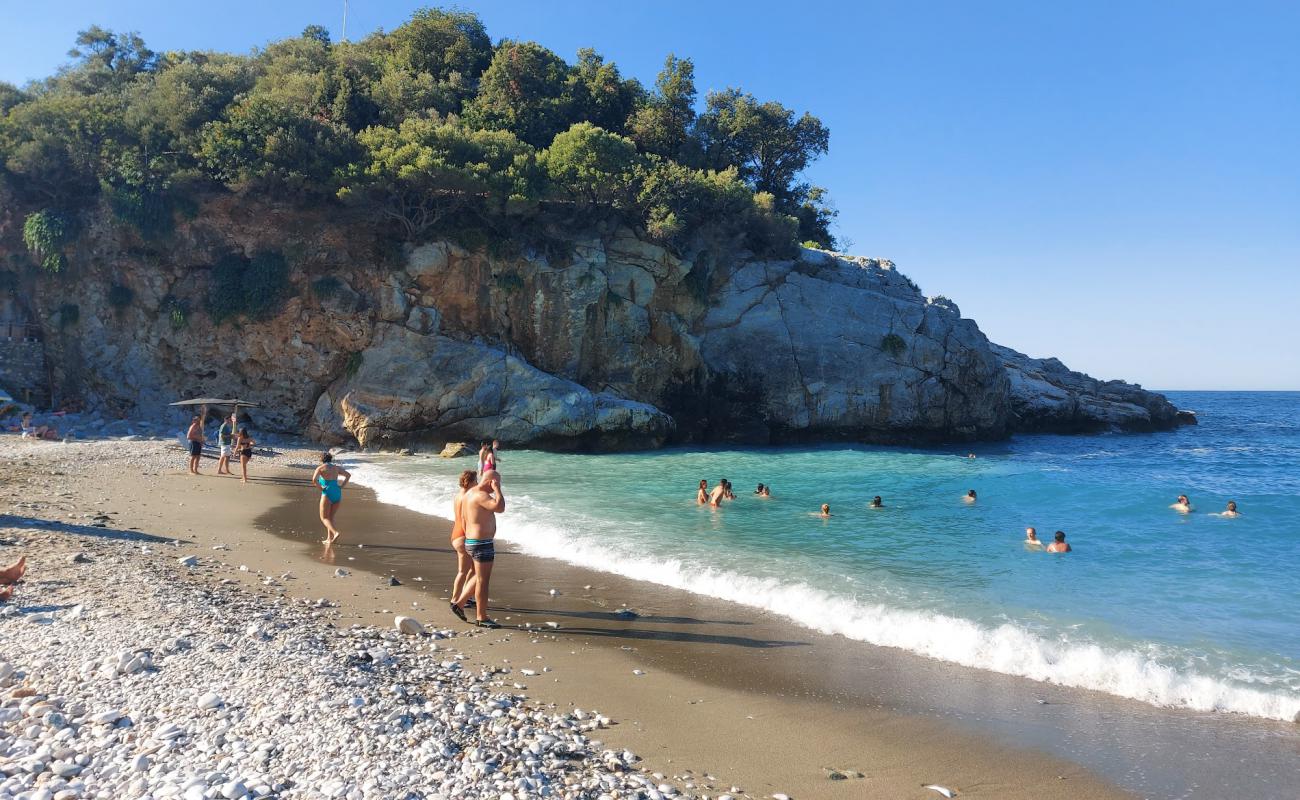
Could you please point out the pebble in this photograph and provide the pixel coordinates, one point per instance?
(188, 561)
(408, 625)
(341, 573)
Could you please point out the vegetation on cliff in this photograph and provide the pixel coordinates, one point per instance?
(430, 126)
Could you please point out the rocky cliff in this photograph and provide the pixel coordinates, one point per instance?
(604, 342)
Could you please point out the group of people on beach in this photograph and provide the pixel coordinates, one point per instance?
(232, 439)
(473, 536)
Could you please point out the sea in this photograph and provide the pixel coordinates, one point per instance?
(1194, 611)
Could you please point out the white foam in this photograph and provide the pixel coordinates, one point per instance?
(1008, 648)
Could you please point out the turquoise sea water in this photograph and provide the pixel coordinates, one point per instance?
(1195, 611)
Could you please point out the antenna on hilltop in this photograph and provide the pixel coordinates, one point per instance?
(345, 20)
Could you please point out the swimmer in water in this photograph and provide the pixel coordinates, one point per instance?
(1031, 539)
(876, 502)
(1183, 506)
(718, 494)
(970, 455)
(764, 491)
(759, 490)
(826, 510)
(1230, 511)
(970, 496)
(1059, 546)
(702, 494)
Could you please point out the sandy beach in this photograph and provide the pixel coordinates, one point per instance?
(715, 699)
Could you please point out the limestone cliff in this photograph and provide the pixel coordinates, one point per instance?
(606, 342)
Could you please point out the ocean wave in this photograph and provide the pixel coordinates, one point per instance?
(1007, 648)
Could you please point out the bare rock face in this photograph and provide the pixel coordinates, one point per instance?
(1048, 396)
(605, 342)
(413, 386)
(847, 348)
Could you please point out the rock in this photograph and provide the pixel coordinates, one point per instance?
(234, 790)
(456, 450)
(392, 581)
(408, 626)
(209, 700)
(141, 763)
(341, 573)
(188, 561)
(79, 558)
(1047, 396)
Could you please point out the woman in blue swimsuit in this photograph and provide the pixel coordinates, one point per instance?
(327, 477)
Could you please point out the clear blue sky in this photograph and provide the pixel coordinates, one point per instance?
(1113, 183)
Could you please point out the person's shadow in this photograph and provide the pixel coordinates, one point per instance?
(93, 531)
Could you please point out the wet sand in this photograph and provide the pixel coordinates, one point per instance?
(788, 705)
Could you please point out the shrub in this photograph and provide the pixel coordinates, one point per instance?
(145, 208)
(893, 344)
(120, 296)
(176, 310)
(46, 233)
(254, 287)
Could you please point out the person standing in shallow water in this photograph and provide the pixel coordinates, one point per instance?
(327, 477)
(479, 509)
(464, 564)
(702, 493)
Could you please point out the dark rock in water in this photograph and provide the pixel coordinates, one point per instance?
(1187, 418)
(393, 581)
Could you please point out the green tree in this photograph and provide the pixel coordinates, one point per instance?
(425, 170)
(10, 96)
(603, 97)
(764, 141)
(264, 144)
(525, 90)
(591, 164)
(448, 46)
(107, 60)
(662, 123)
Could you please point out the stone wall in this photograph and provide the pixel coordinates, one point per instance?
(22, 364)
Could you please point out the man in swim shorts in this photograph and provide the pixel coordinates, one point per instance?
(195, 437)
(226, 439)
(479, 508)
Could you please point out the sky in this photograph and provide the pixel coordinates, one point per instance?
(1116, 184)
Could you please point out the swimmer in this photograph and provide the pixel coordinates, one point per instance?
(970, 496)
(825, 512)
(970, 455)
(728, 493)
(767, 491)
(1031, 539)
(759, 490)
(327, 477)
(876, 502)
(1059, 545)
(1230, 511)
(718, 494)
(702, 494)
(1183, 505)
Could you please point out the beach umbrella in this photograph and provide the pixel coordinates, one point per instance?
(204, 402)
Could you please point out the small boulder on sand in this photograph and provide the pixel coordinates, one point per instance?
(408, 625)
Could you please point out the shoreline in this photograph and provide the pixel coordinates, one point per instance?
(728, 692)
(1135, 746)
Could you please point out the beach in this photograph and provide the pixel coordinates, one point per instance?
(715, 698)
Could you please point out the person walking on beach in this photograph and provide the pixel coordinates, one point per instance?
(464, 564)
(702, 494)
(479, 508)
(1059, 545)
(195, 437)
(327, 477)
(244, 449)
(226, 439)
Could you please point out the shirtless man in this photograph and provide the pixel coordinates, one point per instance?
(718, 494)
(1230, 511)
(1183, 505)
(826, 510)
(970, 496)
(479, 508)
(1059, 546)
(1031, 538)
(464, 564)
(195, 437)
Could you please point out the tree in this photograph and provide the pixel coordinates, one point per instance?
(105, 59)
(443, 45)
(525, 90)
(262, 143)
(425, 170)
(10, 96)
(662, 123)
(592, 164)
(763, 141)
(603, 97)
